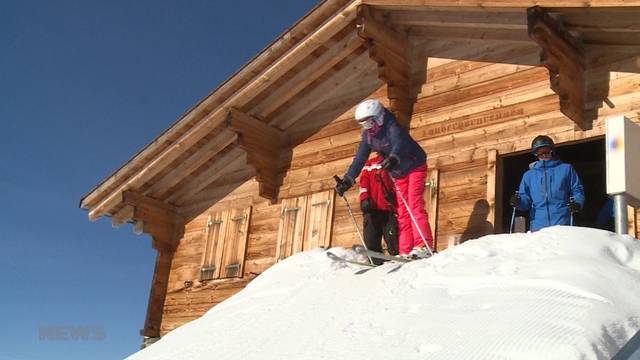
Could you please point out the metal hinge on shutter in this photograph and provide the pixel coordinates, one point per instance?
(240, 217)
(286, 210)
(322, 203)
(206, 272)
(210, 223)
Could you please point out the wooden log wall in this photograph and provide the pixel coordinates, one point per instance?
(466, 112)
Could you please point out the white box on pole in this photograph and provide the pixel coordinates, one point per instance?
(623, 158)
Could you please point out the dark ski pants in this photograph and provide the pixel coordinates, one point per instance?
(378, 224)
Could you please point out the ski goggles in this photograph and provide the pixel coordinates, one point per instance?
(544, 152)
(366, 123)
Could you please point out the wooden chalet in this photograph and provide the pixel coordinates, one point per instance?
(244, 178)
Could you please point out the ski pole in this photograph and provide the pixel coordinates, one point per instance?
(513, 217)
(571, 199)
(353, 218)
(413, 219)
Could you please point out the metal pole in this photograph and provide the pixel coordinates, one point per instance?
(413, 219)
(620, 214)
(513, 218)
(353, 219)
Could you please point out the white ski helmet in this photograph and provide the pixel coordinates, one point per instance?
(370, 108)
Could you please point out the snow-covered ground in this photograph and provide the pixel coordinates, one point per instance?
(560, 293)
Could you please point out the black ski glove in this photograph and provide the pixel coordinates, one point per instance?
(515, 200)
(574, 207)
(365, 206)
(342, 185)
(390, 162)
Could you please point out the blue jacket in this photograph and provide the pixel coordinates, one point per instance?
(392, 140)
(545, 190)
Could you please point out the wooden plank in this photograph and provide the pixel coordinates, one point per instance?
(319, 220)
(194, 185)
(249, 126)
(489, 4)
(124, 215)
(302, 105)
(291, 227)
(481, 34)
(233, 254)
(491, 185)
(431, 196)
(215, 230)
(336, 53)
(370, 27)
(460, 19)
(199, 158)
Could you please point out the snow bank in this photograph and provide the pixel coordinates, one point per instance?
(560, 293)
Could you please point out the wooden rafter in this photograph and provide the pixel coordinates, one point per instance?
(564, 56)
(196, 160)
(493, 4)
(310, 100)
(392, 51)
(235, 157)
(336, 53)
(263, 144)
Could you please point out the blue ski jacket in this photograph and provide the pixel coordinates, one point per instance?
(392, 140)
(545, 190)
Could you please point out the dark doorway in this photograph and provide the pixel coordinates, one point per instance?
(587, 158)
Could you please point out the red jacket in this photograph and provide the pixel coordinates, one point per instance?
(371, 184)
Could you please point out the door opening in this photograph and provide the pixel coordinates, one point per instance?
(587, 158)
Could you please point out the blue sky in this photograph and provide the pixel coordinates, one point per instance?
(84, 85)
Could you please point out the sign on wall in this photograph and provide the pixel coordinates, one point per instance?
(623, 167)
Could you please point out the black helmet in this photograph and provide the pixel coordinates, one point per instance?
(541, 141)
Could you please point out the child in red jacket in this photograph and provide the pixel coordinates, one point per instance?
(377, 202)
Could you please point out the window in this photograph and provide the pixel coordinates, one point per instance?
(225, 244)
(305, 223)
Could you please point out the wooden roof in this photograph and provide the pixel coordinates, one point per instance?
(245, 127)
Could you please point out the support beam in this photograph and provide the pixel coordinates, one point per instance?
(157, 294)
(263, 144)
(393, 52)
(306, 103)
(564, 56)
(235, 157)
(207, 152)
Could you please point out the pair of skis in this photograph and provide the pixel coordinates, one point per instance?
(370, 254)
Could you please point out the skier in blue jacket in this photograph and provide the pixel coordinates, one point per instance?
(551, 190)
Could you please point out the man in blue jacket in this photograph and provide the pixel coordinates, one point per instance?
(551, 190)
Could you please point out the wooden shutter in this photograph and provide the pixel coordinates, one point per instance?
(291, 227)
(235, 243)
(431, 201)
(319, 220)
(214, 234)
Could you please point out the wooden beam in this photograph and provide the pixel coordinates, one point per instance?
(263, 144)
(249, 126)
(317, 95)
(563, 55)
(233, 158)
(123, 216)
(241, 97)
(225, 138)
(393, 52)
(460, 19)
(336, 53)
(489, 4)
(517, 36)
(157, 294)
(149, 210)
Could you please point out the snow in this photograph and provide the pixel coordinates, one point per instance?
(560, 293)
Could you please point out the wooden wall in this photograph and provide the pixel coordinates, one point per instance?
(468, 112)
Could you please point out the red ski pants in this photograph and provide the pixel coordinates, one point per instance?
(411, 189)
